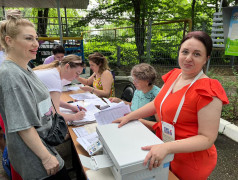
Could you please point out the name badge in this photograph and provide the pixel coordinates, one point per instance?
(168, 132)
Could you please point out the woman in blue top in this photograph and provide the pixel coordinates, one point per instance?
(144, 76)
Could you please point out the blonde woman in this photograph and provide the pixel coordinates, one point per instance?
(55, 75)
(25, 105)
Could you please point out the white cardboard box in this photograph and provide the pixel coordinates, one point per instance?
(123, 145)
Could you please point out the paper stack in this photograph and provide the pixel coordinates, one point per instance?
(115, 111)
(83, 96)
(88, 118)
(72, 87)
(89, 114)
(88, 138)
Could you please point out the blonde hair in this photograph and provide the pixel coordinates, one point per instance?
(11, 26)
(73, 61)
(99, 60)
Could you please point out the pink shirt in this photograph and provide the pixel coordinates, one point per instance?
(49, 59)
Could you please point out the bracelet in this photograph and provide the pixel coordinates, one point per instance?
(47, 160)
(92, 90)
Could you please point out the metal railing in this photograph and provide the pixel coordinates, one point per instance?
(161, 41)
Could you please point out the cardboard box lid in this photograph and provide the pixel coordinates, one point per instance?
(124, 144)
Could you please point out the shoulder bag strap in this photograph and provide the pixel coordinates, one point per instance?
(54, 106)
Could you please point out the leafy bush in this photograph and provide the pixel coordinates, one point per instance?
(128, 51)
(230, 84)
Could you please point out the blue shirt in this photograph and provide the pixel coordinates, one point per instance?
(140, 99)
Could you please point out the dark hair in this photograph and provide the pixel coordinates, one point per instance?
(58, 49)
(202, 37)
(100, 60)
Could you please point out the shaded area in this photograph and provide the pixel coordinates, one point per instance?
(227, 159)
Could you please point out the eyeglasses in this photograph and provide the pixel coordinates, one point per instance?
(136, 81)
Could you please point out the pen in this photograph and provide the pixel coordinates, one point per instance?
(78, 107)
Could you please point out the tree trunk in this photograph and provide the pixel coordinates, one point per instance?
(192, 13)
(42, 21)
(217, 6)
(139, 28)
(225, 3)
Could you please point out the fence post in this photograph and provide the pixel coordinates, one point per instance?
(148, 41)
(208, 65)
(118, 56)
(232, 61)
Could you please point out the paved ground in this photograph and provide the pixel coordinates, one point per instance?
(227, 162)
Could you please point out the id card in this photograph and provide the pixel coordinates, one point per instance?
(168, 132)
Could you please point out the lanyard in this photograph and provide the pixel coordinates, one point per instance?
(183, 98)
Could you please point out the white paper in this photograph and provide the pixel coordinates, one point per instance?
(80, 131)
(96, 162)
(88, 140)
(85, 130)
(89, 114)
(69, 111)
(100, 174)
(96, 101)
(112, 113)
(83, 96)
(73, 87)
(91, 128)
(86, 161)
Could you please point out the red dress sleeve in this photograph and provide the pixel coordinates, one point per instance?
(209, 88)
(170, 74)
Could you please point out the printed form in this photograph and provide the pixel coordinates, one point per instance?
(112, 113)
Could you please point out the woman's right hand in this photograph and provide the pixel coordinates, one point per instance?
(122, 121)
(79, 115)
(51, 165)
(114, 99)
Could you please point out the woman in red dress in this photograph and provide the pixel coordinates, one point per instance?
(189, 108)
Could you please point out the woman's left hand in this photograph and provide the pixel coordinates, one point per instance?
(87, 88)
(155, 156)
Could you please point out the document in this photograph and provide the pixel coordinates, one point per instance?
(86, 141)
(88, 138)
(72, 87)
(90, 143)
(100, 174)
(96, 162)
(95, 101)
(83, 96)
(85, 130)
(112, 113)
(89, 114)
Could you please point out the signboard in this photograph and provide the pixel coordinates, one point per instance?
(232, 38)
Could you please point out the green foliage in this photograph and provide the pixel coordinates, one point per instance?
(53, 25)
(230, 84)
(128, 53)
